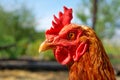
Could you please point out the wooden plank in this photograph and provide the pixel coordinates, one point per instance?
(38, 65)
(29, 64)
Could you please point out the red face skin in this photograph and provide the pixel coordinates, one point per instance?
(67, 45)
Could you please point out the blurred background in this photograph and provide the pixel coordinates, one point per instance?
(22, 27)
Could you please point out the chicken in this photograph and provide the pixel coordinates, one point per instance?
(79, 48)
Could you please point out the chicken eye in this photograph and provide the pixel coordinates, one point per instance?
(71, 36)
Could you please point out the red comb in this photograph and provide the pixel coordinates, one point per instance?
(59, 23)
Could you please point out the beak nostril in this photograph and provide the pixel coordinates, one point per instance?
(49, 40)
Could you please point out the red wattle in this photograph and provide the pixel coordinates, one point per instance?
(62, 56)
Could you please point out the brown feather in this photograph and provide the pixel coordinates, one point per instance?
(94, 64)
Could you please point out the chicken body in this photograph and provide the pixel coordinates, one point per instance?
(78, 47)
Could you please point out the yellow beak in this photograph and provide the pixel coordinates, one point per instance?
(45, 46)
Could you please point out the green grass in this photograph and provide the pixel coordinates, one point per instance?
(49, 55)
(112, 49)
(114, 52)
(115, 61)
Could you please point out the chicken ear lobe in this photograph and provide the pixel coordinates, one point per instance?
(80, 51)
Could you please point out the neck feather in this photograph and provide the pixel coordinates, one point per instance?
(93, 65)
